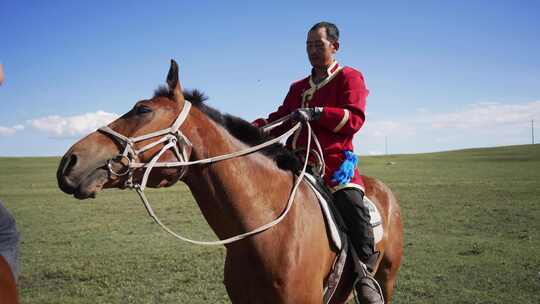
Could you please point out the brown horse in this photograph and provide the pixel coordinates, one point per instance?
(288, 263)
(8, 288)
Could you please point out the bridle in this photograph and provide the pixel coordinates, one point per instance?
(173, 139)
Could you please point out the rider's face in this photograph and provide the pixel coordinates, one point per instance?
(320, 50)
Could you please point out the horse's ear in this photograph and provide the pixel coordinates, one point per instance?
(174, 83)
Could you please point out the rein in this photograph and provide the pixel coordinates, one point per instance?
(174, 139)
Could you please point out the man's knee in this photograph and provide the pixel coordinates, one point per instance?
(349, 195)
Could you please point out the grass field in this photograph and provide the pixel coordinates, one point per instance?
(471, 219)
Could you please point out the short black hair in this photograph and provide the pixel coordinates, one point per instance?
(332, 30)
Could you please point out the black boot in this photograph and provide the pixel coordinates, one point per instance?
(350, 203)
(368, 290)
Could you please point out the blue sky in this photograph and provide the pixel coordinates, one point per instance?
(442, 74)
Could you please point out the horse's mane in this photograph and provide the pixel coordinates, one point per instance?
(240, 129)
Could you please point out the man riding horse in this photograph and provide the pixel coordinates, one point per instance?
(333, 99)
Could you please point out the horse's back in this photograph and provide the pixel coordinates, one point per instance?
(383, 198)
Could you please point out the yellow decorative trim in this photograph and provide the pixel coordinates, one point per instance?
(331, 67)
(308, 94)
(343, 121)
(348, 185)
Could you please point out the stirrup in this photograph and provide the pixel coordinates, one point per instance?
(361, 280)
(374, 295)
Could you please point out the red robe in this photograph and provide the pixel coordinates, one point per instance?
(342, 95)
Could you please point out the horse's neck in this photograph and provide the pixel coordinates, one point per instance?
(239, 194)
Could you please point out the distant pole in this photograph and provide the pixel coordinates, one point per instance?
(532, 130)
(386, 145)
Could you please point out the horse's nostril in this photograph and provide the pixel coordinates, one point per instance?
(71, 163)
(67, 165)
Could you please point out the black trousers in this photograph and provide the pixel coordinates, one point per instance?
(350, 203)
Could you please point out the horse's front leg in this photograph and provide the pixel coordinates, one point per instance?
(244, 283)
(248, 284)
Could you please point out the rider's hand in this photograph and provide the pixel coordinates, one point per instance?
(307, 114)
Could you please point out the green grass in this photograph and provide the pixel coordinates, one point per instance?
(471, 219)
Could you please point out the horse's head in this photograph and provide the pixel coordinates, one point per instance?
(101, 159)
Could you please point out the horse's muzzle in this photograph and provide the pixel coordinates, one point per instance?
(67, 164)
(80, 179)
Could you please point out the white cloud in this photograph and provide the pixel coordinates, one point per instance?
(487, 115)
(9, 131)
(383, 128)
(72, 126)
(474, 125)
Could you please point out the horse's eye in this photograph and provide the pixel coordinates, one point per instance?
(142, 110)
